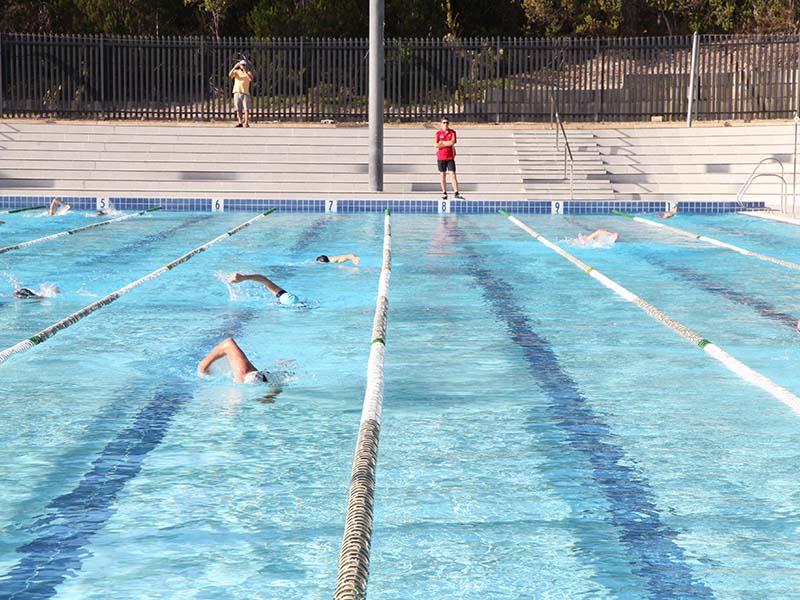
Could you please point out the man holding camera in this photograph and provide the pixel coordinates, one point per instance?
(242, 76)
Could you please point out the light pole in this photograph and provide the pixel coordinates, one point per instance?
(376, 91)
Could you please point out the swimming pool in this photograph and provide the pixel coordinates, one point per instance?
(541, 437)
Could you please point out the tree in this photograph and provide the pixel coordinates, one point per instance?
(48, 16)
(311, 18)
(724, 16)
(213, 12)
(574, 17)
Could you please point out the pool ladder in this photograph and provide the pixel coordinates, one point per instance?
(755, 175)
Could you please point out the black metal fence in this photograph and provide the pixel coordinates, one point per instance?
(483, 80)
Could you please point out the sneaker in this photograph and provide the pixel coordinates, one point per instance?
(238, 125)
(459, 196)
(444, 196)
(247, 124)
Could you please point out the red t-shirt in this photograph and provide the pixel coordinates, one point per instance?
(447, 153)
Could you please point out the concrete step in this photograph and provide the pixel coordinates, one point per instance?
(266, 176)
(388, 193)
(741, 162)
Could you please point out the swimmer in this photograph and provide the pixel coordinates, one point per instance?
(243, 370)
(54, 207)
(25, 293)
(670, 213)
(45, 291)
(281, 295)
(338, 259)
(600, 235)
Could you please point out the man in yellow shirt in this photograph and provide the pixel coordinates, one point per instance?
(242, 76)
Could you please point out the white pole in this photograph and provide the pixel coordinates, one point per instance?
(691, 80)
(376, 91)
(794, 168)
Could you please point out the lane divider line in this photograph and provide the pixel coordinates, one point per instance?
(736, 366)
(19, 210)
(50, 331)
(351, 580)
(71, 231)
(712, 241)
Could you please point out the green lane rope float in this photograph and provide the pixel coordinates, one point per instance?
(19, 210)
(712, 241)
(351, 581)
(739, 368)
(87, 310)
(71, 231)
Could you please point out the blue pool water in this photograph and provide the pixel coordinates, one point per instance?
(541, 437)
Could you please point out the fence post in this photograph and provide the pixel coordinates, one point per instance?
(598, 80)
(797, 79)
(497, 77)
(691, 80)
(102, 52)
(2, 96)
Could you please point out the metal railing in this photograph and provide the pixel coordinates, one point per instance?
(567, 154)
(755, 175)
(475, 79)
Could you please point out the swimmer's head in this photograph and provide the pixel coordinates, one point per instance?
(25, 293)
(287, 299)
(259, 377)
(323, 259)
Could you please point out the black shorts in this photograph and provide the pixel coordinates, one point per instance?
(447, 165)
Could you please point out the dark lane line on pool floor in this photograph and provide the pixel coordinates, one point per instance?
(765, 309)
(145, 241)
(657, 558)
(762, 307)
(65, 532)
(71, 520)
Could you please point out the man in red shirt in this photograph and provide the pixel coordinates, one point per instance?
(445, 143)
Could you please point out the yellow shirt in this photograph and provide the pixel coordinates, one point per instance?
(241, 82)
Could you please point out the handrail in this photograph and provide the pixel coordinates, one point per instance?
(753, 176)
(567, 151)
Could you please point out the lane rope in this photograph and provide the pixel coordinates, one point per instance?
(71, 231)
(19, 210)
(50, 331)
(736, 366)
(351, 580)
(712, 241)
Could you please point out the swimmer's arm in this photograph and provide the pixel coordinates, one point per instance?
(202, 368)
(239, 277)
(344, 258)
(266, 282)
(55, 203)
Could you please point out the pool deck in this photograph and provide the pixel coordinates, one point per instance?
(613, 165)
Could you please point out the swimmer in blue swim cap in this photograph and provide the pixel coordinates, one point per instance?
(281, 295)
(243, 370)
